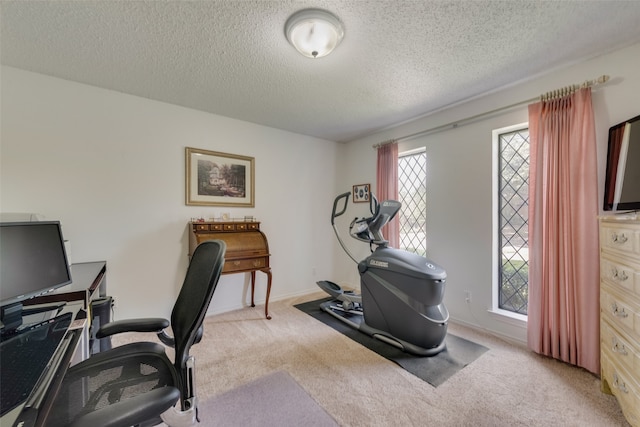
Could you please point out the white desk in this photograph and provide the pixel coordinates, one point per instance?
(87, 278)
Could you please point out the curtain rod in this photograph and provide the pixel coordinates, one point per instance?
(544, 97)
(382, 144)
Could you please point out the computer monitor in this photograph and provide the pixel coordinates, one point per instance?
(33, 262)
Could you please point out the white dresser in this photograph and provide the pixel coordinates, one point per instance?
(620, 312)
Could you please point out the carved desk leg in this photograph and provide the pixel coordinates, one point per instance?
(253, 286)
(266, 271)
(266, 303)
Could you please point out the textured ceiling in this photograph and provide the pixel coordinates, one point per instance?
(399, 59)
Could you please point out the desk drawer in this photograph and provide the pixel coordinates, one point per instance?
(620, 273)
(620, 312)
(244, 264)
(619, 349)
(624, 388)
(621, 238)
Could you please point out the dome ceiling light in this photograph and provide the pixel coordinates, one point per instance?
(314, 32)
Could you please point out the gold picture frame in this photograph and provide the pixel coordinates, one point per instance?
(219, 179)
(361, 193)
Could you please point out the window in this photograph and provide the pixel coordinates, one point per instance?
(511, 201)
(412, 189)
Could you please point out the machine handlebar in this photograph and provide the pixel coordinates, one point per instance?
(334, 214)
(374, 206)
(365, 229)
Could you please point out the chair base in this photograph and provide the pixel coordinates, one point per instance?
(176, 418)
(189, 416)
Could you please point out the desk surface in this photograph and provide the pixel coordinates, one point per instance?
(87, 277)
(39, 401)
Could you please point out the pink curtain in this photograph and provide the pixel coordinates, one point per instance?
(563, 311)
(387, 187)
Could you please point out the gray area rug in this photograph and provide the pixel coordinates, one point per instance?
(435, 370)
(273, 400)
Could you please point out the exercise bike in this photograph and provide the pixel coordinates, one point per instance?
(401, 292)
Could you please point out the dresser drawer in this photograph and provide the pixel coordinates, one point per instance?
(620, 312)
(620, 238)
(618, 272)
(620, 349)
(623, 386)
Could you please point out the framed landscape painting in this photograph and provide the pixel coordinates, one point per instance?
(219, 179)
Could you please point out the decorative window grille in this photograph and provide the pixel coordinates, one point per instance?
(513, 216)
(412, 189)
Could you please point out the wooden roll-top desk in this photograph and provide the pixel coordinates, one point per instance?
(247, 249)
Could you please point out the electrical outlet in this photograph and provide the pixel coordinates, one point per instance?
(467, 296)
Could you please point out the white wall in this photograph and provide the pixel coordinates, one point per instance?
(459, 174)
(111, 168)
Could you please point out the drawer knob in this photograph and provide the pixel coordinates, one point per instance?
(618, 348)
(619, 238)
(617, 311)
(620, 385)
(617, 275)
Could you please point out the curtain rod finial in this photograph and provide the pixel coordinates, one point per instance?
(382, 144)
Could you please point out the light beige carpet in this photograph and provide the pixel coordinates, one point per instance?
(273, 400)
(435, 370)
(506, 386)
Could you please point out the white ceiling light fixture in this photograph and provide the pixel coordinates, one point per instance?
(314, 32)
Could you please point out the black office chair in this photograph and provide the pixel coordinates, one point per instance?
(136, 384)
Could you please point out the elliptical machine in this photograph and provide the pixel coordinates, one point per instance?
(401, 299)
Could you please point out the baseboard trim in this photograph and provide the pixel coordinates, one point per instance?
(504, 337)
(261, 301)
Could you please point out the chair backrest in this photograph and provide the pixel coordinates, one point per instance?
(195, 295)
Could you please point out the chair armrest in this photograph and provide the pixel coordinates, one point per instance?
(199, 334)
(134, 325)
(132, 411)
(171, 342)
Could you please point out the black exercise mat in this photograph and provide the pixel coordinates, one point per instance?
(435, 370)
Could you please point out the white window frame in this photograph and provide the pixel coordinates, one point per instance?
(413, 152)
(506, 315)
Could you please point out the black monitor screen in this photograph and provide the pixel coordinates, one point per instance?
(33, 260)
